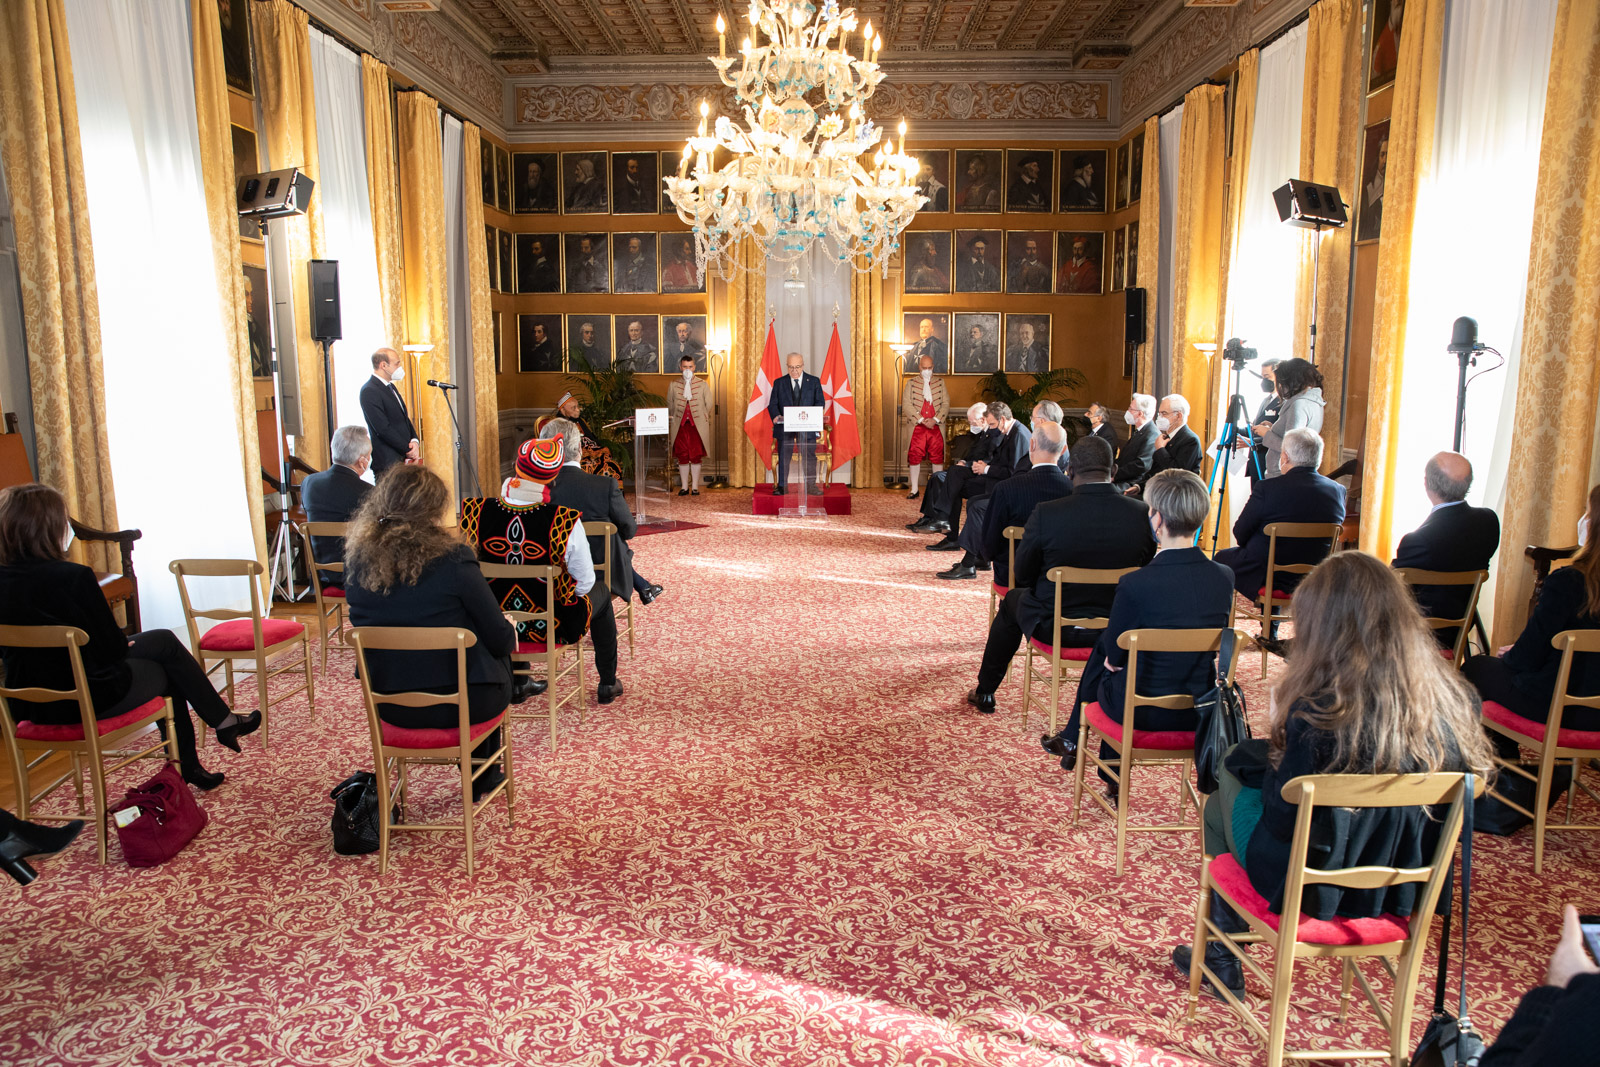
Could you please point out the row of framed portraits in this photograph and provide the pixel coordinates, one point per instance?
(1068, 262)
(592, 262)
(644, 344)
(576, 183)
(977, 342)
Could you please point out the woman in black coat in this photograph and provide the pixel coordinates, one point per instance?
(39, 586)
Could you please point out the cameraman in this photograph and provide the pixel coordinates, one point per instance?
(1267, 413)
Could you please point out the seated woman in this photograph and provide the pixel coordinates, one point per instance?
(1523, 678)
(1366, 692)
(39, 586)
(402, 568)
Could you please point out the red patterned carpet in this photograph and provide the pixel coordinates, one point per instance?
(790, 842)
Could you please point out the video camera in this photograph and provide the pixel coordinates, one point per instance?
(1236, 353)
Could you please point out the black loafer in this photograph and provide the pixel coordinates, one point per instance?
(958, 572)
(913, 496)
(694, 492)
(228, 736)
(920, 526)
(683, 492)
(984, 702)
(779, 491)
(605, 694)
(947, 544)
(939, 526)
(1223, 964)
(648, 594)
(526, 688)
(1060, 745)
(985, 566)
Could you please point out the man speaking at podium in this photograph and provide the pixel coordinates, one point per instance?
(797, 389)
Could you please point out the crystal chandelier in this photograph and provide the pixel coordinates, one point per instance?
(797, 174)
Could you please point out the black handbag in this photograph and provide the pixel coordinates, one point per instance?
(1222, 723)
(1495, 816)
(1449, 1040)
(355, 814)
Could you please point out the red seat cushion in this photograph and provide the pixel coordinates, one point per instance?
(999, 590)
(1231, 878)
(535, 647)
(1077, 655)
(333, 590)
(1174, 740)
(238, 635)
(1277, 594)
(1448, 653)
(401, 737)
(1504, 716)
(42, 731)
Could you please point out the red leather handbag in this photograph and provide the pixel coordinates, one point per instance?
(157, 819)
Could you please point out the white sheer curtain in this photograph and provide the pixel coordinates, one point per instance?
(347, 219)
(805, 317)
(458, 298)
(1171, 127)
(169, 400)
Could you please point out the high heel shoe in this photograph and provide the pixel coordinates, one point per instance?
(202, 779)
(228, 736)
(20, 838)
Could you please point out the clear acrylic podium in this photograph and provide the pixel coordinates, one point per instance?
(803, 500)
(652, 495)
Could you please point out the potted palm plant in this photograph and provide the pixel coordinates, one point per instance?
(609, 394)
(1055, 384)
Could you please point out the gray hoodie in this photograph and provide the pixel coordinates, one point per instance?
(1304, 409)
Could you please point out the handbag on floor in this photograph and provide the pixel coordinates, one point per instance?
(1450, 1040)
(1222, 723)
(1495, 816)
(355, 814)
(156, 819)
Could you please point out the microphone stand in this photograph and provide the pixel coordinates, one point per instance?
(444, 388)
(1466, 358)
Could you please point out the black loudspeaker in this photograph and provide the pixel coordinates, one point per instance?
(1310, 205)
(325, 300)
(1133, 325)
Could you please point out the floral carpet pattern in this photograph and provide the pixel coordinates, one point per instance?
(789, 843)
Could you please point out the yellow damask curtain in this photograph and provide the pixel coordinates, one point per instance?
(485, 391)
(1330, 115)
(1415, 107)
(383, 186)
(216, 164)
(748, 297)
(426, 308)
(1149, 266)
(866, 375)
(55, 259)
(288, 113)
(1555, 445)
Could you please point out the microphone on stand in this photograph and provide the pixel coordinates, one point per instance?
(1465, 346)
(1464, 336)
(442, 385)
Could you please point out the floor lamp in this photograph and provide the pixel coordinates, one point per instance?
(902, 480)
(717, 365)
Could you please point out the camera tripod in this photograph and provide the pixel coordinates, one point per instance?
(1237, 413)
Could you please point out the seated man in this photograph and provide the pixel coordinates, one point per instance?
(1455, 537)
(1096, 527)
(1012, 501)
(974, 445)
(1138, 452)
(1177, 446)
(1179, 590)
(981, 476)
(596, 457)
(334, 494)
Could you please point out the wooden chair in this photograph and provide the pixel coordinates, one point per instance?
(396, 749)
(997, 592)
(1271, 605)
(532, 652)
(1398, 943)
(330, 598)
(1574, 745)
(1412, 577)
(1144, 748)
(96, 740)
(1060, 663)
(1543, 559)
(602, 577)
(243, 635)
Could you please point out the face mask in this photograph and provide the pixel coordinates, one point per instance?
(67, 539)
(688, 373)
(1163, 424)
(976, 428)
(1268, 385)
(1128, 417)
(1583, 531)
(927, 375)
(399, 375)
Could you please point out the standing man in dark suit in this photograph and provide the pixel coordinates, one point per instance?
(1455, 537)
(795, 389)
(1100, 424)
(967, 483)
(394, 438)
(334, 494)
(1012, 502)
(1177, 446)
(1300, 495)
(1139, 450)
(1095, 527)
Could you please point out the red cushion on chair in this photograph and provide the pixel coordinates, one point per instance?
(1166, 739)
(1499, 713)
(1077, 655)
(998, 589)
(238, 635)
(401, 737)
(1448, 653)
(1231, 878)
(535, 647)
(1277, 594)
(42, 731)
(333, 590)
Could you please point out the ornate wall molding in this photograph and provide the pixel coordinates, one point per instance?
(447, 58)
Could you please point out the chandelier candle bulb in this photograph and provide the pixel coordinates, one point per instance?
(902, 137)
(722, 39)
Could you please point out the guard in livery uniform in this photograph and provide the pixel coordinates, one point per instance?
(689, 408)
(925, 405)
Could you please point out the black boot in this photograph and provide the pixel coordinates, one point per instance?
(20, 838)
(1222, 963)
(198, 776)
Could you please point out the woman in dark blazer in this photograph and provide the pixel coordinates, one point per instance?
(405, 569)
(39, 586)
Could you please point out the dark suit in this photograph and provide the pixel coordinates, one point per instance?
(1301, 495)
(1010, 456)
(332, 495)
(1454, 537)
(970, 447)
(1267, 412)
(599, 498)
(1135, 457)
(1182, 453)
(1107, 434)
(784, 395)
(1011, 504)
(388, 423)
(1096, 527)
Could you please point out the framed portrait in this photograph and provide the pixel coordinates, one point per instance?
(499, 324)
(494, 259)
(679, 272)
(976, 342)
(533, 183)
(1369, 199)
(584, 262)
(638, 343)
(635, 183)
(508, 271)
(1080, 258)
(1121, 200)
(1030, 178)
(977, 180)
(589, 339)
(1028, 258)
(933, 177)
(1027, 344)
(1083, 179)
(583, 184)
(538, 263)
(668, 165)
(927, 267)
(235, 18)
(1136, 168)
(684, 335)
(502, 179)
(486, 170)
(257, 326)
(1119, 255)
(539, 343)
(928, 332)
(1385, 50)
(245, 161)
(633, 267)
(1130, 274)
(977, 261)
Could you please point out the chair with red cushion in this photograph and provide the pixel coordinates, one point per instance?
(1579, 746)
(396, 749)
(242, 636)
(30, 744)
(1144, 748)
(602, 578)
(1414, 577)
(553, 655)
(1061, 665)
(1398, 943)
(997, 592)
(1272, 603)
(330, 599)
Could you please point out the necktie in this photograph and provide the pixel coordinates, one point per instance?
(396, 390)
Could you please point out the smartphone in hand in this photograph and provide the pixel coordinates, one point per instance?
(1590, 925)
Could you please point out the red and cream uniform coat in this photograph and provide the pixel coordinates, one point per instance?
(925, 400)
(689, 413)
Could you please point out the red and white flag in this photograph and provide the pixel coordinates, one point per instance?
(839, 410)
(757, 423)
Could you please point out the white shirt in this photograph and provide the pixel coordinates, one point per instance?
(1046, 463)
(1445, 504)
